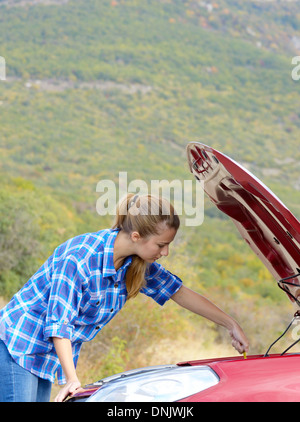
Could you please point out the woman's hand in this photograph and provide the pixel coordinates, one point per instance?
(69, 388)
(239, 340)
(63, 349)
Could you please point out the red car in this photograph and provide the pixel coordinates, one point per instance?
(273, 233)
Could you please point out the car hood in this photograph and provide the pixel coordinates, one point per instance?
(264, 222)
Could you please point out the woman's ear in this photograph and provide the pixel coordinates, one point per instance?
(135, 236)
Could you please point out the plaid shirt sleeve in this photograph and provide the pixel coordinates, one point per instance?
(64, 298)
(161, 284)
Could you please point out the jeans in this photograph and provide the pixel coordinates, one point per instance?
(18, 384)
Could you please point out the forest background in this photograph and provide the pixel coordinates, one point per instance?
(98, 87)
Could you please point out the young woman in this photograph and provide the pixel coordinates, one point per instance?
(79, 289)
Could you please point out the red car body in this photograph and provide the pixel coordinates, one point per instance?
(274, 378)
(273, 233)
(264, 222)
(256, 379)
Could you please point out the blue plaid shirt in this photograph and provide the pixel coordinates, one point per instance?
(74, 294)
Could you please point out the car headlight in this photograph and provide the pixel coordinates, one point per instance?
(156, 384)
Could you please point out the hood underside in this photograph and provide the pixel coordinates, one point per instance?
(265, 223)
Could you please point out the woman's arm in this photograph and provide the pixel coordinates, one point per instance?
(64, 352)
(199, 305)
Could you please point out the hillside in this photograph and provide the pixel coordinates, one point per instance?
(101, 87)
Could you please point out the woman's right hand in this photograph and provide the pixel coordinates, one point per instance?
(63, 349)
(69, 388)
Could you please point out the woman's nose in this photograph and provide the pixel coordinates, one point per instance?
(165, 251)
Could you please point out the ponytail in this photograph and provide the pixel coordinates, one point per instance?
(142, 214)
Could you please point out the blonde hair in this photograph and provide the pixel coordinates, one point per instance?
(142, 214)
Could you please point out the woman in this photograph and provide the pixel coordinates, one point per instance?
(79, 289)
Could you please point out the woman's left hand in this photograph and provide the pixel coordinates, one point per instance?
(239, 340)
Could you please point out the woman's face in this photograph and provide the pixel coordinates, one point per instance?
(155, 246)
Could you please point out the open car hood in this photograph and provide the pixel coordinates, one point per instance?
(265, 223)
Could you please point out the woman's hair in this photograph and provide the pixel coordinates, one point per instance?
(143, 214)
